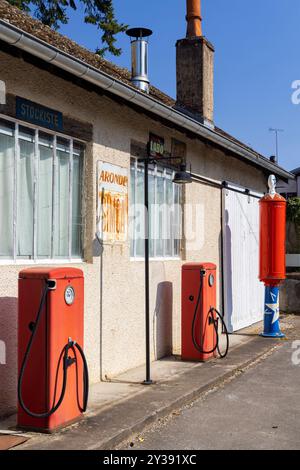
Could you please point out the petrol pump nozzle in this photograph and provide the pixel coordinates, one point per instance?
(71, 341)
(67, 362)
(213, 317)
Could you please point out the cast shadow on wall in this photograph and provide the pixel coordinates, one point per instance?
(227, 276)
(162, 320)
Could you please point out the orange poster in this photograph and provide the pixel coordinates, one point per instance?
(112, 211)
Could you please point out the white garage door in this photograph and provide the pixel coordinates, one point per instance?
(244, 294)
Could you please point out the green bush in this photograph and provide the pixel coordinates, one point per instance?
(293, 210)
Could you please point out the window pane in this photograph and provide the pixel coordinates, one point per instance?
(7, 128)
(132, 211)
(164, 212)
(61, 208)
(160, 198)
(44, 215)
(35, 177)
(76, 202)
(25, 193)
(177, 220)
(7, 148)
(152, 212)
(169, 217)
(139, 225)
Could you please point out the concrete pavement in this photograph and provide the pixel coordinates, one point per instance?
(123, 407)
(260, 409)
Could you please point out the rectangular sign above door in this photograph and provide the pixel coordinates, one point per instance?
(156, 146)
(39, 115)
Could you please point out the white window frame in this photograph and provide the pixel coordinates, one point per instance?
(35, 260)
(168, 173)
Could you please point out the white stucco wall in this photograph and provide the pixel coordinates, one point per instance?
(114, 284)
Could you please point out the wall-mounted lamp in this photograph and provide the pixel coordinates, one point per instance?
(182, 176)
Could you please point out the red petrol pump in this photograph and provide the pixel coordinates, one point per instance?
(272, 239)
(200, 318)
(53, 373)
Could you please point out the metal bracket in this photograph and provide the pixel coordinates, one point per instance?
(51, 283)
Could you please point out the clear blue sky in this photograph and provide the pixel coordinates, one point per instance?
(257, 46)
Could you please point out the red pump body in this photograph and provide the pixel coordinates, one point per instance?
(272, 266)
(205, 333)
(59, 321)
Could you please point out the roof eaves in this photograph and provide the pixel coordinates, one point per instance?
(30, 43)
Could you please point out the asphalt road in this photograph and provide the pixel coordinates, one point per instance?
(260, 409)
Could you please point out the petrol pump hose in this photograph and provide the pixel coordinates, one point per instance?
(67, 361)
(211, 312)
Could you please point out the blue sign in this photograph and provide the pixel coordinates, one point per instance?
(40, 115)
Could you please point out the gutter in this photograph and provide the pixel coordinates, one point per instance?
(29, 43)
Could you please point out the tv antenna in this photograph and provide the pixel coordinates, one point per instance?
(276, 132)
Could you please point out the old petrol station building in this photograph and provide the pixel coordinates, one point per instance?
(73, 127)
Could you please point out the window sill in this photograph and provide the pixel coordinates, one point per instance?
(39, 262)
(160, 259)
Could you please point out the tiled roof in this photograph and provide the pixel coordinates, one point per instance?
(236, 141)
(32, 26)
(296, 172)
(26, 23)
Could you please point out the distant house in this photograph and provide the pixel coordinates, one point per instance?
(291, 188)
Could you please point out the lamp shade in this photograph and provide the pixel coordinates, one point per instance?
(182, 176)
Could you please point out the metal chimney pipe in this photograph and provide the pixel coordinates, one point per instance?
(194, 18)
(139, 57)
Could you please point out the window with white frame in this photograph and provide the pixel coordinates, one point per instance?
(164, 212)
(40, 194)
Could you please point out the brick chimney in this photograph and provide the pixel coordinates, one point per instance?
(195, 69)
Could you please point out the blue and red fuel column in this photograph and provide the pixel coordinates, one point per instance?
(272, 264)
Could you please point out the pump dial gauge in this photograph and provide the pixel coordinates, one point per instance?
(211, 280)
(69, 295)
